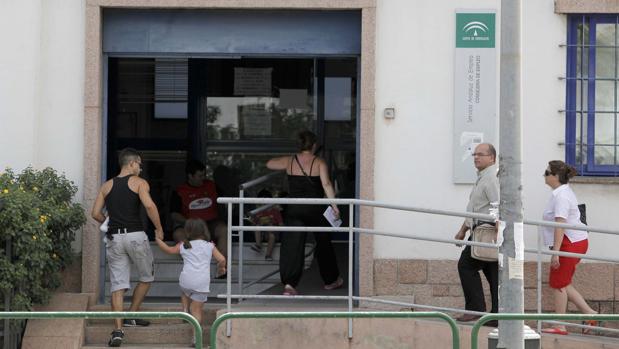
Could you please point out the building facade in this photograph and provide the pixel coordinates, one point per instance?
(57, 84)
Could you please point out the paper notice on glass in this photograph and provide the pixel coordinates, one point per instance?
(332, 217)
(256, 120)
(252, 81)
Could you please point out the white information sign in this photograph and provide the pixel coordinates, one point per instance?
(475, 85)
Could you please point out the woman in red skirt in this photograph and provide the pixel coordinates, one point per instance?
(563, 208)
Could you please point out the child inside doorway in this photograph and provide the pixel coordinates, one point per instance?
(270, 216)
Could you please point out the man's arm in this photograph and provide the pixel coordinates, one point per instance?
(492, 190)
(97, 208)
(151, 208)
(461, 234)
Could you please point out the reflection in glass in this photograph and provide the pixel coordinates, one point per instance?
(604, 95)
(605, 62)
(234, 118)
(243, 166)
(605, 34)
(581, 95)
(604, 155)
(605, 129)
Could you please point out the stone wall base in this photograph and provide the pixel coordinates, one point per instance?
(436, 282)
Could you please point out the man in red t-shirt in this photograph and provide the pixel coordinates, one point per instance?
(197, 198)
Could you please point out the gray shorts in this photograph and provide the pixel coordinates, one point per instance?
(125, 249)
(195, 296)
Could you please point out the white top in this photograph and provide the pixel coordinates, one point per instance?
(563, 204)
(196, 274)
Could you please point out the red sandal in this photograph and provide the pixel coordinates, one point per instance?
(554, 330)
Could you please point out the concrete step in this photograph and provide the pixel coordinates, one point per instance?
(172, 270)
(169, 334)
(209, 314)
(171, 289)
(142, 346)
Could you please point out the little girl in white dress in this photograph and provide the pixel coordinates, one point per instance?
(196, 251)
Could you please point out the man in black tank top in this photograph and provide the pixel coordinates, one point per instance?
(126, 242)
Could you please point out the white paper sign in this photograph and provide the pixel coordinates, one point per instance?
(516, 268)
(332, 217)
(256, 120)
(519, 240)
(252, 81)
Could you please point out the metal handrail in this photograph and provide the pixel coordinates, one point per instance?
(378, 204)
(351, 230)
(455, 333)
(570, 226)
(489, 317)
(197, 329)
(259, 180)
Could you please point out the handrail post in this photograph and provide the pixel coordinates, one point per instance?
(229, 270)
(7, 335)
(351, 234)
(539, 279)
(240, 266)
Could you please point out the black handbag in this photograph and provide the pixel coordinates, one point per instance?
(583, 213)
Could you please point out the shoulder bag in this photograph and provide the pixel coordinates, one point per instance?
(485, 233)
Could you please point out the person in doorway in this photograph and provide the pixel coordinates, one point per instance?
(485, 191)
(563, 208)
(126, 242)
(308, 177)
(195, 278)
(268, 217)
(197, 198)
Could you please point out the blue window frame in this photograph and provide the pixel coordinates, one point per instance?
(592, 143)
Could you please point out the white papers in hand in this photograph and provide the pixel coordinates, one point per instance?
(332, 217)
(104, 225)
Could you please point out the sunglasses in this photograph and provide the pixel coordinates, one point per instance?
(548, 173)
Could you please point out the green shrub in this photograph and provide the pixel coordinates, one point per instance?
(39, 219)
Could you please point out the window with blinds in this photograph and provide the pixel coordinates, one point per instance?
(171, 84)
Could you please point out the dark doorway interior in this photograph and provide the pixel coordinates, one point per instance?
(232, 114)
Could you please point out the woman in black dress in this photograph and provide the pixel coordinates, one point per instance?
(308, 177)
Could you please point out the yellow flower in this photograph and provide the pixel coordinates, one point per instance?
(34, 237)
(6, 191)
(54, 256)
(35, 188)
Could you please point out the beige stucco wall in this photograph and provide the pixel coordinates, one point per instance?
(586, 6)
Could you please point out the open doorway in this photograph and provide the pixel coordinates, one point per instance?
(233, 114)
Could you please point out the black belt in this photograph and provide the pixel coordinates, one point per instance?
(122, 231)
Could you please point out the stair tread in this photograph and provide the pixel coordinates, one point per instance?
(132, 346)
(152, 327)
